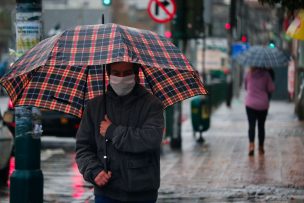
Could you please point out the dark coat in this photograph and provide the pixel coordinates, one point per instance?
(135, 137)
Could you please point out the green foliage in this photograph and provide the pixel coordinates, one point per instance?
(290, 5)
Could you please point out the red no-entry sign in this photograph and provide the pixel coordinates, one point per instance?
(162, 11)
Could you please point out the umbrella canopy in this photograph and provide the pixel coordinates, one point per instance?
(63, 72)
(259, 56)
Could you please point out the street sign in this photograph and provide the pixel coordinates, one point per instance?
(162, 11)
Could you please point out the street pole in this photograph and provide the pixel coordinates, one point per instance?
(204, 74)
(174, 113)
(231, 36)
(27, 179)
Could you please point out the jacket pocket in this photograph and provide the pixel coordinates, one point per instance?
(142, 175)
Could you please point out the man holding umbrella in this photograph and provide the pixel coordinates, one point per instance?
(117, 146)
(132, 127)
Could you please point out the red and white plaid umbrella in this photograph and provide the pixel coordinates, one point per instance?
(63, 72)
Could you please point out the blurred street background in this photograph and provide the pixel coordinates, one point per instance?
(205, 146)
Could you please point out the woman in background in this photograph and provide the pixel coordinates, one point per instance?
(259, 85)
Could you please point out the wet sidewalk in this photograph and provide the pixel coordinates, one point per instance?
(221, 171)
(217, 171)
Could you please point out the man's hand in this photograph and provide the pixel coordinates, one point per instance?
(102, 178)
(104, 126)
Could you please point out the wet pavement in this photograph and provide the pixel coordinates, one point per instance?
(217, 171)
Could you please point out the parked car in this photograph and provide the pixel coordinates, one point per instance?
(54, 123)
(6, 146)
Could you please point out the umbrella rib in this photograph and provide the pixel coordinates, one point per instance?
(55, 45)
(123, 35)
(268, 58)
(145, 74)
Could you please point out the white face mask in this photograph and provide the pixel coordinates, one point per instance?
(122, 85)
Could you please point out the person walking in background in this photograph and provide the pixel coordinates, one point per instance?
(133, 126)
(229, 89)
(258, 85)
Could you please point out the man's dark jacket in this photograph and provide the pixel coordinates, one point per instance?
(134, 144)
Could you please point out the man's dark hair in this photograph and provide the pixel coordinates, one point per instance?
(136, 68)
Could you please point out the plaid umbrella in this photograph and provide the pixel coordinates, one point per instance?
(63, 72)
(259, 56)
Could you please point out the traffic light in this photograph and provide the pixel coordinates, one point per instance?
(194, 19)
(106, 2)
(178, 25)
(244, 38)
(271, 44)
(227, 26)
(168, 34)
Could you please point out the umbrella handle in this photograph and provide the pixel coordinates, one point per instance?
(105, 157)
